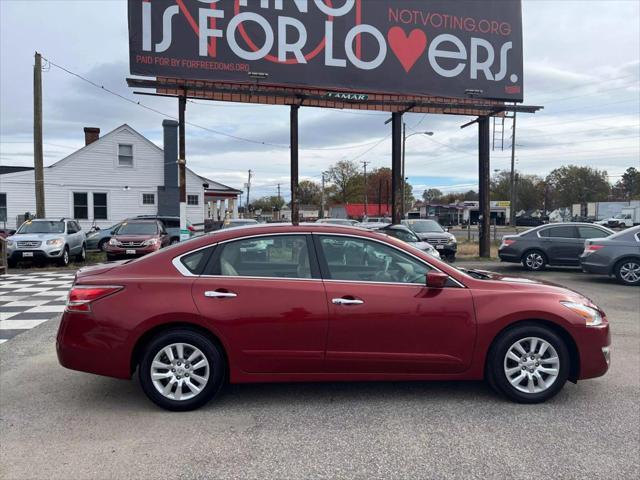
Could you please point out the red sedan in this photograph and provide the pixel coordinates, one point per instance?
(322, 303)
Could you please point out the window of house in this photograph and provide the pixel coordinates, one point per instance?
(148, 199)
(100, 206)
(360, 260)
(80, 205)
(193, 199)
(3, 207)
(125, 155)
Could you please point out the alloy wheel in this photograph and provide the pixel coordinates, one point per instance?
(630, 272)
(180, 371)
(534, 261)
(531, 365)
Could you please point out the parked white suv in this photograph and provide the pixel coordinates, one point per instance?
(46, 239)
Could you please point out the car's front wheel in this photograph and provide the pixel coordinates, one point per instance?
(82, 256)
(63, 261)
(628, 271)
(528, 363)
(181, 370)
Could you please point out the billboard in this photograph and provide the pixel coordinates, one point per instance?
(439, 48)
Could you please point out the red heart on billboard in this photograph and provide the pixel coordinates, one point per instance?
(407, 48)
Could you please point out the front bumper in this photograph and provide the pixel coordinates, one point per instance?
(594, 345)
(33, 254)
(124, 252)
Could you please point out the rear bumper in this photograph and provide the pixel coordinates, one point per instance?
(589, 266)
(506, 256)
(85, 345)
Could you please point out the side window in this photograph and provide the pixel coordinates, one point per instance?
(368, 261)
(171, 223)
(77, 226)
(281, 256)
(567, 231)
(71, 228)
(592, 232)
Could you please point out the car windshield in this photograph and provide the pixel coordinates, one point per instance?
(42, 226)
(424, 226)
(138, 228)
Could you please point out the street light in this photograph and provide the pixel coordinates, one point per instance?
(404, 144)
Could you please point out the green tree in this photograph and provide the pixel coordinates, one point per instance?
(573, 184)
(348, 181)
(529, 190)
(628, 187)
(268, 204)
(309, 193)
(432, 195)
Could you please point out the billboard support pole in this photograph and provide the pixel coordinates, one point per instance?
(182, 161)
(295, 212)
(396, 167)
(484, 170)
(37, 136)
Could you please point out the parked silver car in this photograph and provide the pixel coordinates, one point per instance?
(45, 240)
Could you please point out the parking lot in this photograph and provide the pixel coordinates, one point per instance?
(57, 423)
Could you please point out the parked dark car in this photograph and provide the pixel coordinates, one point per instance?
(529, 221)
(98, 238)
(5, 232)
(323, 303)
(554, 244)
(432, 232)
(135, 238)
(617, 255)
(404, 233)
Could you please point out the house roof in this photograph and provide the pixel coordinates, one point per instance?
(13, 169)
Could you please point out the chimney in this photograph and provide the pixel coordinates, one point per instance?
(91, 134)
(170, 128)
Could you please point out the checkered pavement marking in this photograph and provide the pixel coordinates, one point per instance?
(29, 299)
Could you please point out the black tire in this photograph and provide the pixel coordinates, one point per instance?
(213, 354)
(102, 245)
(82, 256)
(174, 240)
(496, 363)
(534, 260)
(626, 271)
(111, 258)
(63, 261)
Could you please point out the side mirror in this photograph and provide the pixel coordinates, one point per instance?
(436, 279)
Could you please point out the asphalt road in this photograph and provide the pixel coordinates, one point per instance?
(55, 423)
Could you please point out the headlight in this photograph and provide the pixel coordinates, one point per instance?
(55, 242)
(591, 316)
(151, 241)
(113, 242)
(453, 239)
(11, 243)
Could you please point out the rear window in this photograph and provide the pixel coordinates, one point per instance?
(196, 261)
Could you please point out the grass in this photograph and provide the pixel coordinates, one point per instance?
(470, 251)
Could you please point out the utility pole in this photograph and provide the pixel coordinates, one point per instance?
(37, 136)
(404, 146)
(321, 213)
(279, 202)
(182, 165)
(512, 206)
(365, 163)
(247, 203)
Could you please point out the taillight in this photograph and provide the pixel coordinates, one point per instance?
(592, 248)
(506, 242)
(81, 296)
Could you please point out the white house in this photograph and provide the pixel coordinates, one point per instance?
(121, 174)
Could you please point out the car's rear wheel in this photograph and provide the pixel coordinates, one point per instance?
(528, 363)
(628, 271)
(534, 260)
(181, 370)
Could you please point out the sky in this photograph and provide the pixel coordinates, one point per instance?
(581, 62)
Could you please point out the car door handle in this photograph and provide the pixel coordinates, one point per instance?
(347, 301)
(219, 294)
